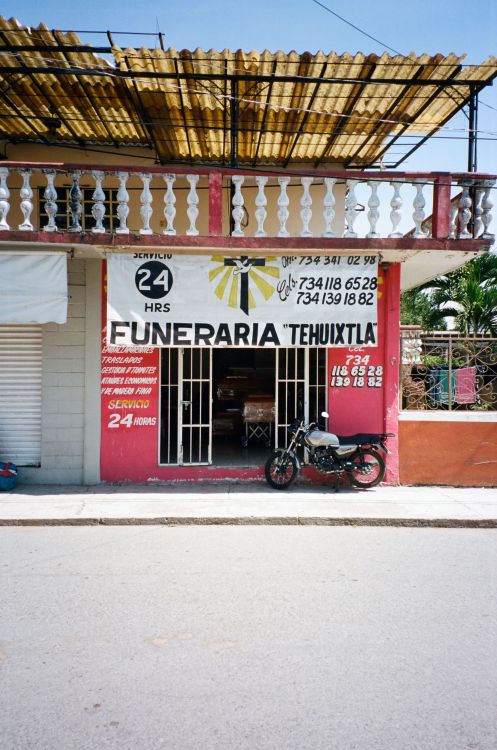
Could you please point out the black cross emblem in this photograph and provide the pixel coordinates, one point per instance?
(243, 265)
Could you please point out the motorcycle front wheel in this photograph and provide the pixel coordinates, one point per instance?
(280, 470)
(369, 469)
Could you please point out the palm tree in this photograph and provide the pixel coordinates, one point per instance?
(469, 295)
(416, 308)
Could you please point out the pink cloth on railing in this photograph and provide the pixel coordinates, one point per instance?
(465, 385)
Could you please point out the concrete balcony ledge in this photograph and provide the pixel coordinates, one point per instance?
(392, 250)
(441, 415)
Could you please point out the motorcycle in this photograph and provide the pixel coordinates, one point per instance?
(355, 456)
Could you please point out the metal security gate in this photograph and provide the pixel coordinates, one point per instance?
(301, 380)
(186, 399)
(20, 394)
(186, 407)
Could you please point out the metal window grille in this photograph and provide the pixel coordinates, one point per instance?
(63, 217)
(448, 371)
(301, 380)
(185, 406)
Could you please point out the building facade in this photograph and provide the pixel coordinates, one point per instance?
(165, 319)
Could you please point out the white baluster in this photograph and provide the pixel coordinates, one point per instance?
(27, 205)
(395, 213)
(261, 203)
(464, 210)
(478, 211)
(146, 209)
(487, 205)
(192, 201)
(329, 207)
(122, 203)
(306, 203)
(283, 203)
(237, 202)
(373, 213)
(98, 208)
(75, 206)
(4, 199)
(418, 213)
(453, 209)
(169, 201)
(50, 196)
(350, 208)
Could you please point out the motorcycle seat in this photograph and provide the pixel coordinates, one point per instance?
(363, 438)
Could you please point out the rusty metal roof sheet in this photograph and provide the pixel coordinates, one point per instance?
(290, 107)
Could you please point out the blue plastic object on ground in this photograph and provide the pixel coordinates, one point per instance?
(8, 476)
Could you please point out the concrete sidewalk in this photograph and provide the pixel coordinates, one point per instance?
(247, 503)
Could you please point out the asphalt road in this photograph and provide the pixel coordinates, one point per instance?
(137, 638)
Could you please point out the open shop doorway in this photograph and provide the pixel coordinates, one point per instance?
(243, 406)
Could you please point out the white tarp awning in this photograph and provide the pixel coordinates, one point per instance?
(33, 288)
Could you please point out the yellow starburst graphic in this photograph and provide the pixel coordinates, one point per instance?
(381, 281)
(239, 280)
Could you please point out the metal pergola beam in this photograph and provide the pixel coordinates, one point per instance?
(262, 129)
(340, 126)
(22, 117)
(183, 113)
(440, 125)
(57, 48)
(41, 91)
(390, 112)
(234, 124)
(473, 131)
(140, 111)
(406, 126)
(225, 112)
(252, 130)
(115, 73)
(305, 117)
(88, 95)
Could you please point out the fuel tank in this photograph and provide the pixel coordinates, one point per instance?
(321, 439)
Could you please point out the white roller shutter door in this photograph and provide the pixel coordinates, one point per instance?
(20, 394)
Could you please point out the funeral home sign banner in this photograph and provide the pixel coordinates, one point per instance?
(163, 300)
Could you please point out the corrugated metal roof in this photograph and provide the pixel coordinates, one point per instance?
(292, 108)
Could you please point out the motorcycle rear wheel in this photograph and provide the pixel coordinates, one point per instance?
(369, 470)
(280, 473)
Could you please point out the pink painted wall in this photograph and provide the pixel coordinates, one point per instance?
(130, 422)
(364, 381)
(130, 409)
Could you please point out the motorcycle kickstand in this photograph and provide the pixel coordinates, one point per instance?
(337, 481)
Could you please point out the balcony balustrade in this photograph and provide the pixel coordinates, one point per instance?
(136, 202)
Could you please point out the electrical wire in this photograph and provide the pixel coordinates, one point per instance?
(83, 67)
(73, 97)
(31, 32)
(365, 33)
(489, 106)
(361, 31)
(288, 109)
(248, 171)
(180, 124)
(209, 62)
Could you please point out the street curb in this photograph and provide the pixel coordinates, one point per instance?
(440, 523)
